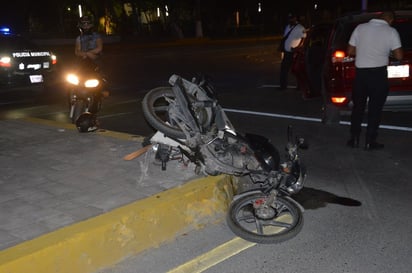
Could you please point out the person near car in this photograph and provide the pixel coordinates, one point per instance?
(373, 44)
(295, 33)
(89, 44)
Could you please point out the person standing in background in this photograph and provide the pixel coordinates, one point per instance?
(372, 44)
(294, 34)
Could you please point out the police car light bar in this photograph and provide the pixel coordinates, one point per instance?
(5, 30)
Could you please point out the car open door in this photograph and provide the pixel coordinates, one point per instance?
(309, 59)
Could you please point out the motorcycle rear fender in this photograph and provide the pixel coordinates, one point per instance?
(161, 138)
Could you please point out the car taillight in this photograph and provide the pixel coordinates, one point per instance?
(53, 59)
(5, 61)
(339, 100)
(339, 56)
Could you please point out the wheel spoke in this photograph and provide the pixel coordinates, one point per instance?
(280, 224)
(259, 226)
(283, 223)
(161, 108)
(249, 218)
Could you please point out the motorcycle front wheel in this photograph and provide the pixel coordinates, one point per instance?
(252, 221)
(78, 108)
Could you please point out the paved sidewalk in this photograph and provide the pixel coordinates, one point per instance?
(63, 191)
(51, 177)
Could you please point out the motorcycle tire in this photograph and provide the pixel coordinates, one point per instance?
(79, 108)
(155, 107)
(280, 222)
(95, 105)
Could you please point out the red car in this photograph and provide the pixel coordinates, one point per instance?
(322, 67)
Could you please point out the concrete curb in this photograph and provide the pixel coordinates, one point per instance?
(104, 240)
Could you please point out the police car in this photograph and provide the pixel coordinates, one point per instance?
(22, 63)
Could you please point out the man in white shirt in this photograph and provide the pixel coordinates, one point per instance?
(295, 34)
(372, 43)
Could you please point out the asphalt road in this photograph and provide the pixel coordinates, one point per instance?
(357, 204)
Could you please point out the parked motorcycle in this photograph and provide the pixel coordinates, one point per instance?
(85, 86)
(190, 121)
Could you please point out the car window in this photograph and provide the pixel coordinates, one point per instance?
(342, 35)
(344, 30)
(319, 36)
(404, 28)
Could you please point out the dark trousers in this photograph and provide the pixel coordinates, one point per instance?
(370, 87)
(285, 66)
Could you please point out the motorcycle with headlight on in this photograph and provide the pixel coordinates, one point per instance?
(86, 90)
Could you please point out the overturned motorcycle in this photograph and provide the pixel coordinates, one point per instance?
(85, 86)
(190, 121)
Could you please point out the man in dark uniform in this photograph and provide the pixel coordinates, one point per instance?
(89, 44)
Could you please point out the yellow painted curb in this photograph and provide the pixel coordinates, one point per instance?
(107, 239)
(69, 126)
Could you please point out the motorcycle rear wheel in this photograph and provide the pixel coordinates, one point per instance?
(281, 221)
(156, 105)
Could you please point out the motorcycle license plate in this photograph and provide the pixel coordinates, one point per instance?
(36, 78)
(398, 71)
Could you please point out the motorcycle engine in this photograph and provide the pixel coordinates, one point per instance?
(228, 156)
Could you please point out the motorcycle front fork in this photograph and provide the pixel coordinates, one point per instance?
(73, 99)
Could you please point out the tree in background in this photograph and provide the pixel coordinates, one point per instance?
(179, 18)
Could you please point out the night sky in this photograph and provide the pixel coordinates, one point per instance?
(13, 13)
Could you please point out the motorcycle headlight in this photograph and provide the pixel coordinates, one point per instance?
(91, 83)
(73, 79)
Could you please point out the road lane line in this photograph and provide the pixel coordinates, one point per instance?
(214, 256)
(276, 85)
(389, 127)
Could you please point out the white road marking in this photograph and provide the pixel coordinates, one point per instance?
(389, 127)
(276, 85)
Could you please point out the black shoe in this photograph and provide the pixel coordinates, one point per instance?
(373, 146)
(353, 142)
